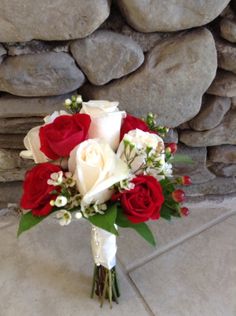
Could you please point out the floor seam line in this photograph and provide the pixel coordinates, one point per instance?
(136, 289)
(180, 241)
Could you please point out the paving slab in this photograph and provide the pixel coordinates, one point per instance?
(48, 271)
(195, 278)
(134, 251)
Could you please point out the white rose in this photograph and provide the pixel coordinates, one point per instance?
(32, 144)
(135, 153)
(50, 118)
(32, 140)
(96, 168)
(106, 121)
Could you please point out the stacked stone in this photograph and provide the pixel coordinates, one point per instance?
(159, 56)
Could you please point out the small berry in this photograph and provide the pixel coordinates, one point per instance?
(184, 211)
(186, 180)
(172, 147)
(178, 195)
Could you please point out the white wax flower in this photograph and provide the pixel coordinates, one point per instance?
(68, 102)
(60, 201)
(96, 168)
(64, 217)
(167, 169)
(79, 99)
(78, 215)
(106, 120)
(56, 178)
(136, 152)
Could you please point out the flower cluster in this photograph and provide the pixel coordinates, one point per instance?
(102, 164)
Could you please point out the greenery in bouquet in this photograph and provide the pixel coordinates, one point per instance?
(106, 166)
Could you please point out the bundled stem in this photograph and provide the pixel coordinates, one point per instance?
(105, 285)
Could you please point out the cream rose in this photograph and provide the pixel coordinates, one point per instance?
(96, 168)
(106, 120)
(32, 141)
(134, 148)
(32, 144)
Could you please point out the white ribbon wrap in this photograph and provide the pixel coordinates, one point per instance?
(103, 247)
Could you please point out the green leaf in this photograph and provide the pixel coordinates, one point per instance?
(141, 228)
(166, 212)
(167, 186)
(27, 221)
(170, 208)
(180, 158)
(106, 221)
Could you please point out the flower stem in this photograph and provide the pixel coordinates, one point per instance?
(94, 281)
(105, 285)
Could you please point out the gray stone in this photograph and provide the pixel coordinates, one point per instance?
(36, 47)
(46, 20)
(225, 154)
(169, 15)
(224, 84)
(106, 55)
(16, 107)
(226, 55)
(228, 12)
(224, 170)
(197, 277)
(146, 41)
(19, 125)
(2, 50)
(12, 175)
(171, 82)
(225, 133)
(12, 141)
(8, 159)
(40, 75)
(228, 30)
(212, 113)
(233, 102)
(172, 136)
(217, 186)
(10, 193)
(198, 170)
(184, 126)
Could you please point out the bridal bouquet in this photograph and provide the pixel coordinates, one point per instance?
(101, 164)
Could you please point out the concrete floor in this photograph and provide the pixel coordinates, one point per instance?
(192, 271)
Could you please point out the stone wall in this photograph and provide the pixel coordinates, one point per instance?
(176, 59)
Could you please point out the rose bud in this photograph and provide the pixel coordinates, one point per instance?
(186, 180)
(172, 148)
(178, 195)
(184, 211)
(168, 150)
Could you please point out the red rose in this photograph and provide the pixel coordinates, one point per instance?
(132, 122)
(63, 134)
(36, 195)
(144, 201)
